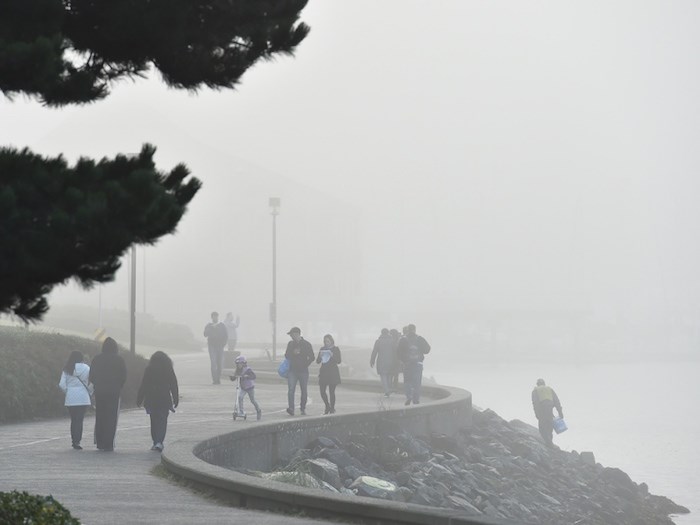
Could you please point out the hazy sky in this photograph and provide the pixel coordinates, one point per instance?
(448, 155)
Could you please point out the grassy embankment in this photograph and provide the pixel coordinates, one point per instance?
(30, 369)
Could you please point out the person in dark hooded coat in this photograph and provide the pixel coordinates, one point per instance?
(412, 350)
(108, 375)
(384, 354)
(159, 395)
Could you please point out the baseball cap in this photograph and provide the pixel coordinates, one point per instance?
(293, 330)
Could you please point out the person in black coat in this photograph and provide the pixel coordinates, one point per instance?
(412, 350)
(384, 354)
(159, 395)
(108, 375)
(217, 337)
(329, 374)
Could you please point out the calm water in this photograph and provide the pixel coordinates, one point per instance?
(642, 418)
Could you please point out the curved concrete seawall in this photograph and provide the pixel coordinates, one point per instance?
(261, 447)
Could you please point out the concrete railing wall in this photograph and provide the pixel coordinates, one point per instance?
(261, 447)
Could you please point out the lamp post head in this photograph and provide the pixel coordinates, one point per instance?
(275, 204)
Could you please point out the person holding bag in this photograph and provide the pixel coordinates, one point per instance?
(544, 400)
(300, 355)
(74, 384)
(329, 374)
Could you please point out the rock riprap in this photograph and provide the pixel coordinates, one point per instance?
(497, 468)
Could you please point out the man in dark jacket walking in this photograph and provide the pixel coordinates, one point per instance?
(300, 355)
(217, 336)
(108, 374)
(412, 350)
(544, 399)
(384, 354)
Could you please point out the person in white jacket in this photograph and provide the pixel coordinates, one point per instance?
(74, 383)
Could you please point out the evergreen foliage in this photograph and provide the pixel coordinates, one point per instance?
(70, 51)
(22, 507)
(57, 221)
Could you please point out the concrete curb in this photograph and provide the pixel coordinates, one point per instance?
(208, 463)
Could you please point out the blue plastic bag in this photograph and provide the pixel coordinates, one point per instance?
(559, 425)
(283, 369)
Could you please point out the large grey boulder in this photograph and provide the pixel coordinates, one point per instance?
(373, 487)
(321, 469)
(302, 479)
(587, 458)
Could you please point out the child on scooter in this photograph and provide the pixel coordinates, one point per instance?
(247, 384)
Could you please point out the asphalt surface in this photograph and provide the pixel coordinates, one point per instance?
(124, 486)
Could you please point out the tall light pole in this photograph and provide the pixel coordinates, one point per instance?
(132, 305)
(99, 305)
(143, 278)
(132, 290)
(274, 205)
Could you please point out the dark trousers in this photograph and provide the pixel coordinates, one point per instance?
(412, 381)
(159, 425)
(292, 380)
(216, 356)
(331, 391)
(77, 414)
(545, 423)
(106, 416)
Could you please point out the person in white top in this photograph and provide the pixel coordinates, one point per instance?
(232, 330)
(74, 383)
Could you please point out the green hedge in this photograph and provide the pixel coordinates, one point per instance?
(24, 508)
(30, 369)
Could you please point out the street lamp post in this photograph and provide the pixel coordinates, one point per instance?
(274, 205)
(132, 303)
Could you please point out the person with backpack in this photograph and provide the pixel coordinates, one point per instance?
(75, 383)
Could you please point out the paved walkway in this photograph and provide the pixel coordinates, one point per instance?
(120, 487)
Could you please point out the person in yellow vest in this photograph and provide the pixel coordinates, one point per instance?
(544, 399)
